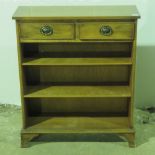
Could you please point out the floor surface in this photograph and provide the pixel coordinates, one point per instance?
(10, 125)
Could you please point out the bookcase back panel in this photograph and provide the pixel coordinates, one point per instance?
(105, 74)
(91, 49)
(77, 106)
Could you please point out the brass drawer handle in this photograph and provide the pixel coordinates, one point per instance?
(46, 30)
(106, 30)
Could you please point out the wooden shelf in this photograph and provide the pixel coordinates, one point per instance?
(78, 125)
(77, 91)
(76, 61)
(73, 41)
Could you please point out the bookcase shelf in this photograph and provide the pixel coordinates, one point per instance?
(77, 91)
(76, 61)
(78, 125)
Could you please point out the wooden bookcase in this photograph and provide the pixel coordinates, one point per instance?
(77, 69)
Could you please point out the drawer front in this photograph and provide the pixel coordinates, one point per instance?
(47, 31)
(107, 30)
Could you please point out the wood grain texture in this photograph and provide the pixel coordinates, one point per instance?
(120, 30)
(24, 40)
(79, 125)
(115, 106)
(78, 91)
(60, 31)
(76, 12)
(77, 80)
(78, 50)
(21, 78)
(76, 61)
(84, 47)
(132, 79)
(78, 74)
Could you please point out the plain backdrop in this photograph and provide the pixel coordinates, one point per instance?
(145, 67)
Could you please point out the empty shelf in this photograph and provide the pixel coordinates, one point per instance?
(76, 61)
(78, 125)
(77, 91)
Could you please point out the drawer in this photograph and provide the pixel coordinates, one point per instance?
(47, 31)
(107, 30)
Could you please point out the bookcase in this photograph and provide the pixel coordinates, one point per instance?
(77, 69)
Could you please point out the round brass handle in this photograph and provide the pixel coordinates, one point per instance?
(46, 30)
(106, 30)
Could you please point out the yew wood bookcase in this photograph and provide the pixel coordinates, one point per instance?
(77, 69)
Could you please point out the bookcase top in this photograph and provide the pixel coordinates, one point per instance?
(73, 12)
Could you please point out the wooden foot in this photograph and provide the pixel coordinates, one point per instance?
(130, 137)
(26, 138)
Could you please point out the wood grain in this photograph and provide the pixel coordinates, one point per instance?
(77, 80)
(77, 106)
(79, 125)
(76, 61)
(77, 74)
(121, 30)
(60, 31)
(76, 12)
(77, 91)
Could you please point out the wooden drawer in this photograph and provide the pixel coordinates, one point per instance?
(107, 30)
(47, 31)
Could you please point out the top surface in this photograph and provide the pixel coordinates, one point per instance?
(40, 12)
